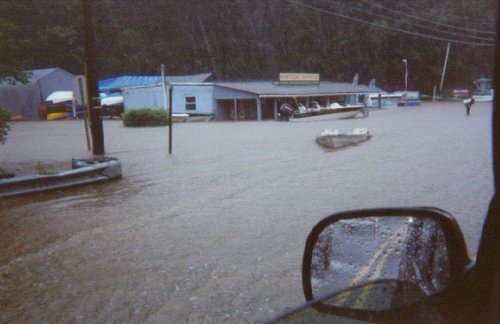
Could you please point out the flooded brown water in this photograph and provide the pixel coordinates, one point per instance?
(215, 232)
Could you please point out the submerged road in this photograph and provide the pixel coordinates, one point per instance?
(215, 232)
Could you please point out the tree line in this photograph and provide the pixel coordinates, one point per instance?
(257, 39)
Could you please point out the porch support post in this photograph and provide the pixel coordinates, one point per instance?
(275, 109)
(259, 109)
(235, 105)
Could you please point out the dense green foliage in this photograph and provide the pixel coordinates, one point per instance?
(4, 124)
(257, 39)
(145, 117)
(10, 48)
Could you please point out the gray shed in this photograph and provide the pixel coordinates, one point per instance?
(24, 99)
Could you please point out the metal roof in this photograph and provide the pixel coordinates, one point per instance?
(273, 89)
(128, 81)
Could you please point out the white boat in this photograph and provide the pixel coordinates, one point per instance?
(111, 100)
(200, 117)
(335, 139)
(484, 97)
(409, 98)
(387, 100)
(60, 96)
(484, 92)
(347, 111)
(337, 110)
(179, 117)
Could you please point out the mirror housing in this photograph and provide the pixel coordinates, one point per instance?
(453, 251)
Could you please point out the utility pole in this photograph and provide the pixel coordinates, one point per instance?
(167, 106)
(93, 100)
(444, 69)
(170, 119)
(405, 61)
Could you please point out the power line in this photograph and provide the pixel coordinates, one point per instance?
(432, 21)
(489, 21)
(389, 27)
(364, 11)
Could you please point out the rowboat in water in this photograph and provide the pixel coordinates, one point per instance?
(334, 139)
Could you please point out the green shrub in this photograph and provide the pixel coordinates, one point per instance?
(43, 169)
(145, 117)
(4, 124)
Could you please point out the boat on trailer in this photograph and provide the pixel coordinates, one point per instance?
(335, 109)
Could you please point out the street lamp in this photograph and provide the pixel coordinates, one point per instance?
(405, 61)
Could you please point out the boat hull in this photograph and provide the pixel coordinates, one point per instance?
(334, 139)
(179, 118)
(57, 116)
(340, 113)
(486, 98)
(409, 103)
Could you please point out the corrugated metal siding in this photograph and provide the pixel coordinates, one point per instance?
(204, 98)
(272, 89)
(152, 97)
(143, 97)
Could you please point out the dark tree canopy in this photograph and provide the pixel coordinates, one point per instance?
(257, 39)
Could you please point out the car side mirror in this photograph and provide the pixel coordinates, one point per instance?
(365, 262)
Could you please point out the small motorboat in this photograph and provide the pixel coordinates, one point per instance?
(382, 100)
(484, 92)
(200, 117)
(337, 110)
(334, 139)
(347, 111)
(112, 105)
(409, 98)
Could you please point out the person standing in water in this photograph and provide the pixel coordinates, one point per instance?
(286, 112)
(468, 105)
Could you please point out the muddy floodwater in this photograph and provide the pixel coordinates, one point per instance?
(215, 232)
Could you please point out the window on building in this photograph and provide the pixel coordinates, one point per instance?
(190, 103)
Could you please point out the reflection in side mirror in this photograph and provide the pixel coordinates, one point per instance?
(392, 262)
(372, 263)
